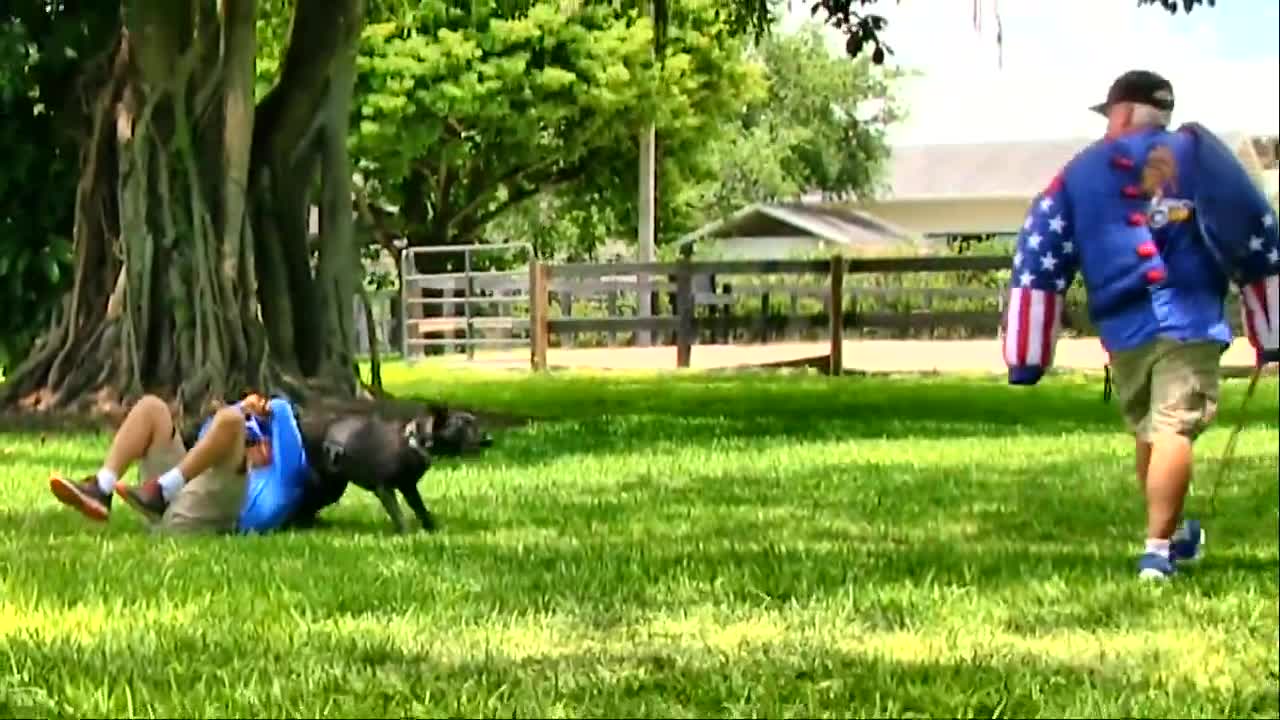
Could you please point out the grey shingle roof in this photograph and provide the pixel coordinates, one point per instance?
(1016, 169)
(832, 223)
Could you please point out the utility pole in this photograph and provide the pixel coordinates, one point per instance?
(645, 242)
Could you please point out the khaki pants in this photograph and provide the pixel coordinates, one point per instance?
(208, 503)
(1166, 386)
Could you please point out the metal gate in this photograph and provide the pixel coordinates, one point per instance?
(477, 308)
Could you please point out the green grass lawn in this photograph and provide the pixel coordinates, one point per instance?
(700, 545)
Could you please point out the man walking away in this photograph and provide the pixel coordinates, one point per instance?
(1157, 223)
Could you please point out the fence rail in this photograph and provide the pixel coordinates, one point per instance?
(693, 286)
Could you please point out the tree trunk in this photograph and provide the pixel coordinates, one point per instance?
(375, 347)
(192, 274)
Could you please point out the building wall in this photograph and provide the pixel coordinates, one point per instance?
(773, 247)
(928, 217)
(757, 248)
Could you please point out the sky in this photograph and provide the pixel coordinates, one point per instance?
(1061, 55)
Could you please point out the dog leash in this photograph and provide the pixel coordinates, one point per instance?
(1228, 453)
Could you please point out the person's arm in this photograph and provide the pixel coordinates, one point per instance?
(1240, 228)
(257, 418)
(1044, 267)
(1260, 298)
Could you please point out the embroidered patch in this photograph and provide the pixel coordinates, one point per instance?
(1167, 211)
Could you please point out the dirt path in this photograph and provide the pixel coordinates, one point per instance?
(875, 356)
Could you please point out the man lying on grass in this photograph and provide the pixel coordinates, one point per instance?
(244, 472)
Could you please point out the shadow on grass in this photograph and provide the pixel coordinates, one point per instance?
(621, 414)
(575, 415)
(878, 542)
(707, 395)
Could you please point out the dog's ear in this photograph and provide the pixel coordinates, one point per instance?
(439, 415)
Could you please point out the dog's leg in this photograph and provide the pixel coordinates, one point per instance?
(419, 508)
(392, 506)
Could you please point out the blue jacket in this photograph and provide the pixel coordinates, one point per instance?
(273, 491)
(1151, 267)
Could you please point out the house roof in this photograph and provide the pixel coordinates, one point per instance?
(839, 225)
(990, 170)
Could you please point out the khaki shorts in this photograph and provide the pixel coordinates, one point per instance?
(1166, 386)
(208, 503)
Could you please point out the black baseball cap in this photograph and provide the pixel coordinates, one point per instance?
(1138, 86)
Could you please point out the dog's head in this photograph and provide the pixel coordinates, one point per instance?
(457, 432)
(419, 433)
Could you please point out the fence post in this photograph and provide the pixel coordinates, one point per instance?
(1000, 293)
(613, 313)
(726, 314)
(405, 289)
(684, 306)
(564, 299)
(466, 305)
(836, 366)
(537, 315)
(764, 318)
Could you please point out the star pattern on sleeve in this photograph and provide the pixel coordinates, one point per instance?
(1046, 256)
(1263, 257)
(1260, 298)
(1044, 266)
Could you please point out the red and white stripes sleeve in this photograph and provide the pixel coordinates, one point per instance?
(1260, 313)
(1032, 326)
(1044, 267)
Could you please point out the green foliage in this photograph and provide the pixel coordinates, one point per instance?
(272, 26)
(822, 125)
(46, 51)
(809, 120)
(465, 112)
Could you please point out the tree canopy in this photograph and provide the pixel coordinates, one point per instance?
(465, 113)
(808, 120)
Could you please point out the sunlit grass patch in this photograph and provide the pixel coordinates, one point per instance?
(677, 545)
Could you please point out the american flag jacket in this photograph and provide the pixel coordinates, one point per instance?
(1152, 265)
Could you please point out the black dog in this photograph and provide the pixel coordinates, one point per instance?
(382, 456)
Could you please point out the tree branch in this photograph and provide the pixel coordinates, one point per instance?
(517, 196)
(286, 116)
(377, 221)
(480, 197)
(440, 222)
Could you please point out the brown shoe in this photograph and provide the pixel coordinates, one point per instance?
(146, 498)
(84, 496)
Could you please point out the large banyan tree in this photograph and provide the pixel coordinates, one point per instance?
(194, 272)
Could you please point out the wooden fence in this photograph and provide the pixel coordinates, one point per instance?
(693, 289)
(855, 296)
